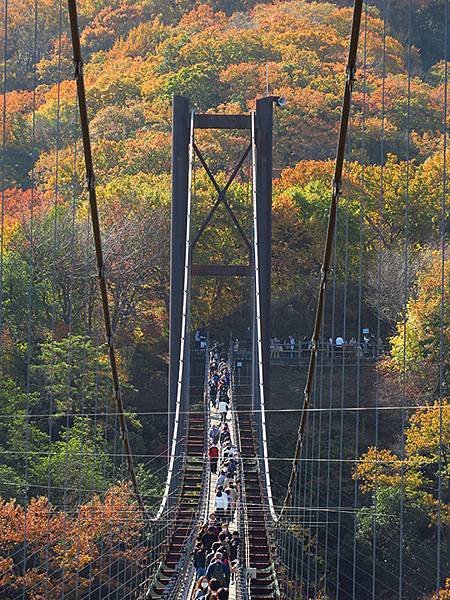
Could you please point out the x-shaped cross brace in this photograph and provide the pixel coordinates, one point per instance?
(221, 197)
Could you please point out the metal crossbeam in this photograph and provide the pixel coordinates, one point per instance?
(223, 270)
(222, 121)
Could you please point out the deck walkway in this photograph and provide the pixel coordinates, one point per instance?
(215, 418)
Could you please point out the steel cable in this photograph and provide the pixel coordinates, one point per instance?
(325, 269)
(405, 309)
(84, 122)
(443, 315)
(360, 270)
(378, 300)
(2, 206)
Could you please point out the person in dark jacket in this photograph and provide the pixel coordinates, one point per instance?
(218, 570)
(214, 587)
(225, 529)
(224, 435)
(224, 545)
(203, 530)
(231, 469)
(200, 560)
(234, 545)
(213, 393)
(214, 434)
(214, 523)
(209, 538)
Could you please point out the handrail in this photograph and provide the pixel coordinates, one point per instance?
(268, 527)
(243, 579)
(258, 326)
(302, 352)
(181, 365)
(184, 329)
(336, 192)
(185, 564)
(185, 569)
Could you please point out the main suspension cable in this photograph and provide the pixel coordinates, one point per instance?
(84, 122)
(325, 269)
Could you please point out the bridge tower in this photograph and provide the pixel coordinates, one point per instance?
(259, 147)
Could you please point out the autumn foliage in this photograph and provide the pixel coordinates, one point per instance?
(223, 55)
(63, 552)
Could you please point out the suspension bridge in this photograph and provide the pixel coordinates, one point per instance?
(300, 512)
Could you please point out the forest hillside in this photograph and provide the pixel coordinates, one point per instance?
(387, 271)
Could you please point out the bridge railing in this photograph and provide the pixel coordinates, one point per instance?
(242, 581)
(180, 585)
(300, 353)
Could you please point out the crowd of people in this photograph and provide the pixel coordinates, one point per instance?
(216, 554)
(286, 348)
(367, 347)
(294, 347)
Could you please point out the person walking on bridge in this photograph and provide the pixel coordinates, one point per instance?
(221, 502)
(224, 436)
(214, 587)
(223, 410)
(213, 454)
(234, 495)
(291, 346)
(201, 589)
(234, 545)
(214, 434)
(218, 570)
(221, 478)
(200, 560)
(209, 538)
(212, 392)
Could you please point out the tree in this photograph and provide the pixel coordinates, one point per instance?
(20, 50)
(416, 346)
(53, 259)
(418, 539)
(75, 375)
(22, 438)
(387, 277)
(63, 552)
(426, 443)
(77, 465)
(405, 490)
